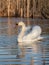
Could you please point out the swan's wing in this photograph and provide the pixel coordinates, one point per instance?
(36, 31)
(28, 34)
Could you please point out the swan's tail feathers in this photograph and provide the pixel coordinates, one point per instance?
(40, 38)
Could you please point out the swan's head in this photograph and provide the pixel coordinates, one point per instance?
(21, 23)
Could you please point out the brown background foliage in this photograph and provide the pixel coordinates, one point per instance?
(25, 8)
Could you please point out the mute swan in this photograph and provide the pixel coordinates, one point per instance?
(34, 34)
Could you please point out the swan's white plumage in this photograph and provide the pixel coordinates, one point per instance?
(34, 35)
(36, 31)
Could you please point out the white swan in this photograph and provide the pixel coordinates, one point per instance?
(34, 34)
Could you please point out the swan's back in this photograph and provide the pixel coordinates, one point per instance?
(35, 33)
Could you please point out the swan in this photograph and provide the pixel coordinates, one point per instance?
(32, 36)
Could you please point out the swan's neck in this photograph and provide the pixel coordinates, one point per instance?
(21, 33)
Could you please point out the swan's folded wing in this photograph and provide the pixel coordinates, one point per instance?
(27, 36)
(34, 33)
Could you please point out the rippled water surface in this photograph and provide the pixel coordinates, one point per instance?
(11, 53)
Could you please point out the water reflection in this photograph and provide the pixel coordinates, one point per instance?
(32, 53)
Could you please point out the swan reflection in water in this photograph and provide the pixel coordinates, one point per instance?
(31, 53)
(29, 34)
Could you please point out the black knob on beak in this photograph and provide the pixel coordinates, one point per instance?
(16, 23)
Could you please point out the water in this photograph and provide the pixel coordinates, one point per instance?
(11, 53)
